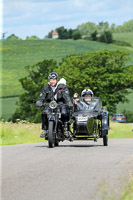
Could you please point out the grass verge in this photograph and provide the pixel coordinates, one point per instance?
(120, 130)
(23, 132)
(128, 193)
(20, 133)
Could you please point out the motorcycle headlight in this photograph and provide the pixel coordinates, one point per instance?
(53, 104)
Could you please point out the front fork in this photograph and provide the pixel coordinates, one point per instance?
(52, 117)
(56, 119)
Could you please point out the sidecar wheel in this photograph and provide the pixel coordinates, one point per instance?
(51, 134)
(105, 140)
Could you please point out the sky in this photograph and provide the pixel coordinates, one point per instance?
(38, 17)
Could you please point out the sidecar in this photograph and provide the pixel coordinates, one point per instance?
(90, 120)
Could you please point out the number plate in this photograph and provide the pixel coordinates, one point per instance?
(82, 119)
(118, 118)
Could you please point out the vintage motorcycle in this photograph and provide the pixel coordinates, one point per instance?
(89, 121)
(56, 127)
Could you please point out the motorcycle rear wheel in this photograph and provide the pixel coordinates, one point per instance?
(51, 134)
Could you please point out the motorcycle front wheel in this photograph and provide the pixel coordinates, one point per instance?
(51, 134)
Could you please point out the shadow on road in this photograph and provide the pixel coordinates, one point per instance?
(80, 145)
(72, 145)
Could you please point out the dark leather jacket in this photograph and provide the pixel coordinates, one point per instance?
(61, 94)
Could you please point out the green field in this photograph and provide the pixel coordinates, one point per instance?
(7, 107)
(18, 54)
(126, 106)
(127, 37)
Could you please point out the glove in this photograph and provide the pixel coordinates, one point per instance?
(39, 104)
(75, 95)
(75, 98)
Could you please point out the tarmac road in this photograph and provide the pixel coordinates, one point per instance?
(80, 170)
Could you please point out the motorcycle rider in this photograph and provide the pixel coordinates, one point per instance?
(87, 95)
(58, 91)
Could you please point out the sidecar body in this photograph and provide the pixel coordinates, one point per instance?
(90, 120)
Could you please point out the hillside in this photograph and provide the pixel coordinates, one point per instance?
(18, 54)
(126, 37)
(126, 106)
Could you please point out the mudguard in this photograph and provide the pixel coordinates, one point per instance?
(51, 118)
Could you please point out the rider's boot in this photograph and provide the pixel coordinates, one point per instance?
(43, 134)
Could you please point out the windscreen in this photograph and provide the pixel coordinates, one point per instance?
(87, 103)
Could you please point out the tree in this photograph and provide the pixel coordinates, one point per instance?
(63, 33)
(70, 33)
(4, 35)
(12, 37)
(106, 37)
(103, 71)
(129, 115)
(103, 38)
(33, 37)
(113, 28)
(109, 36)
(32, 84)
(66, 34)
(103, 26)
(76, 35)
(126, 27)
(87, 28)
(94, 36)
(50, 34)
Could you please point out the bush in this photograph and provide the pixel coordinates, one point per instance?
(128, 115)
(103, 38)
(32, 38)
(121, 43)
(87, 38)
(106, 37)
(12, 37)
(94, 36)
(76, 35)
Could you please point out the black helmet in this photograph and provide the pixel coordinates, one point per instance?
(53, 75)
(86, 91)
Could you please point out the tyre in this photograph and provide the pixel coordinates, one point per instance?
(51, 134)
(56, 143)
(105, 140)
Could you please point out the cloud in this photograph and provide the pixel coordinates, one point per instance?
(1, 20)
(29, 15)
